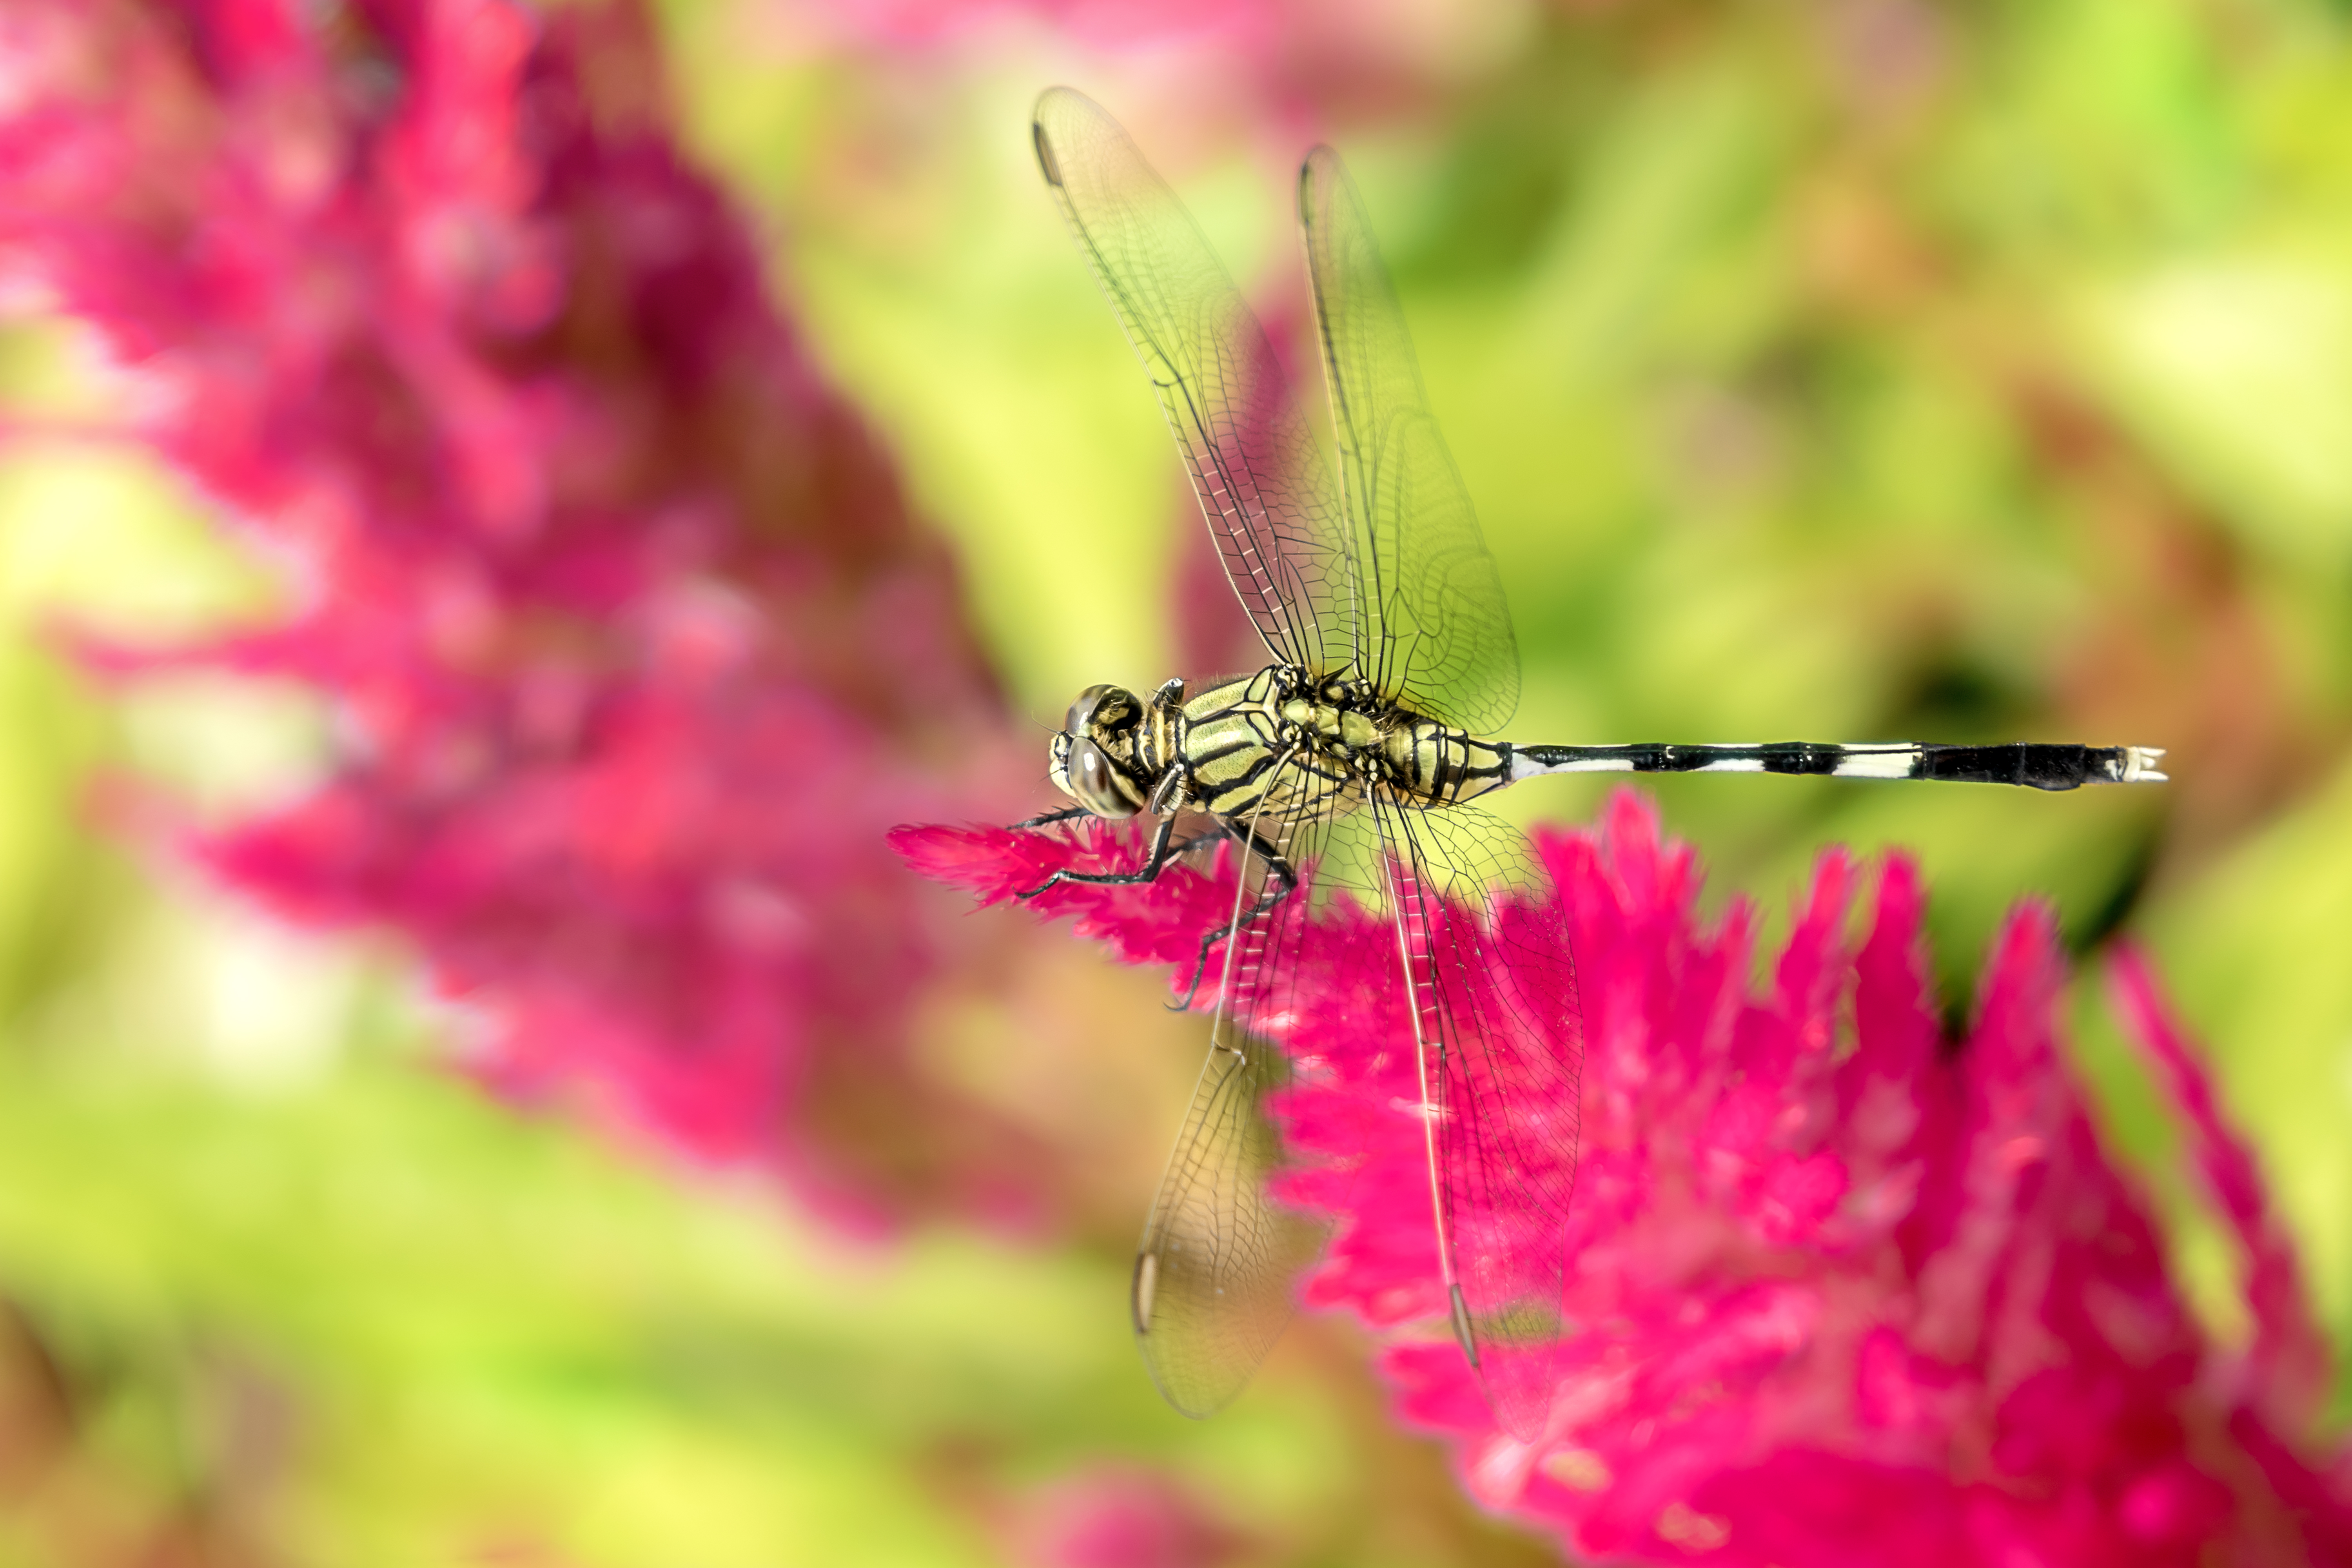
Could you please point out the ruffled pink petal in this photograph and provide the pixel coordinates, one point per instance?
(2289, 1366)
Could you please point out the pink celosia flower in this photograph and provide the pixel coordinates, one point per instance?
(1843, 1291)
(638, 646)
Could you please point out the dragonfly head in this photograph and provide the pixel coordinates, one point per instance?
(1094, 759)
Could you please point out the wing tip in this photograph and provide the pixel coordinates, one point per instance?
(1462, 1334)
(1314, 167)
(1046, 165)
(1141, 1290)
(1041, 137)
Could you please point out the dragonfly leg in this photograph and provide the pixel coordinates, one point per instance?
(1048, 818)
(1281, 883)
(1166, 793)
(1162, 850)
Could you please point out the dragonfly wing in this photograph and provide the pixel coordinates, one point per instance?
(1215, 1272)
(1268, 496)
(1500, 1038)
(1435, 629)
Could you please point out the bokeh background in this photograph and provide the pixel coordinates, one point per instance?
(1848, 370)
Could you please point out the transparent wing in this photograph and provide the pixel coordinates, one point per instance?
(1269, 499)
(1500, 1037)
(1213, 1274)
(1436, 629)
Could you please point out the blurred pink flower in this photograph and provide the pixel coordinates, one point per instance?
(1275, 72)
(636, 647)
(1120, 1516)
(1102, 24)
(1842, 1291)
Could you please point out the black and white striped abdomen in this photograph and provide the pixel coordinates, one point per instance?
(2034, 765)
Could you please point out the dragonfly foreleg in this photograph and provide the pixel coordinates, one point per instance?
(1281, 881)
(1163, 849)
(1048, 818)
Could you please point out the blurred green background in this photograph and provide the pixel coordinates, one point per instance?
(1850, 369)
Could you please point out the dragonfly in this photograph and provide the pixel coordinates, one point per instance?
(1350, 761)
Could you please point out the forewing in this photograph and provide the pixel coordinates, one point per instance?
(1500, 1038)
(1215, 1272)
(1433, 624)
(1270, 502)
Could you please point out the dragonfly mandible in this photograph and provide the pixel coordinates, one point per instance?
(1351, 761)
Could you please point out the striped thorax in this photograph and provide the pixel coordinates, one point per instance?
(1247, 745)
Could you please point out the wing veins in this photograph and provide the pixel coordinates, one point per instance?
(1248, 451)
(1503, 1080)
(1233, 1289)
(1421, 560)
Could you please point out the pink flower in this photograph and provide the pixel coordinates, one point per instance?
(1120, 1516)
(1273, 72)
(1842, 1291)
(636, 646)
(1102, 23)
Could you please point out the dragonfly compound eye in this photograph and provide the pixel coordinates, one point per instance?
(1111, 707)
(1095, 782)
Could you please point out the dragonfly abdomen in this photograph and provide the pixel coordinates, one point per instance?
(2034, 765)
(1437, 765)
